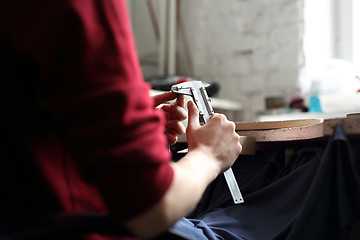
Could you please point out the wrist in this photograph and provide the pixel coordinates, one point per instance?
(203, 161)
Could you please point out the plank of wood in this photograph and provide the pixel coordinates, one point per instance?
(350, 124)
(293, 130)
(285, 134)
(248, 146)
(269, 125)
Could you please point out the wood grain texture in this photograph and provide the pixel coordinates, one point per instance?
(350, 124)
(252, 133)
(285, 134)
(269, 125)
(293, 130)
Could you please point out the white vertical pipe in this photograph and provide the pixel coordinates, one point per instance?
(167, 41)
(171, 46)
(163, 36)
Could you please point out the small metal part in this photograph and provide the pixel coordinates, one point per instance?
(196, 89)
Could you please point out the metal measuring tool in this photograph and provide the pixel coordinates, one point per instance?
(196, 89)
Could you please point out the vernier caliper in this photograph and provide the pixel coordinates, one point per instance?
(196, 89)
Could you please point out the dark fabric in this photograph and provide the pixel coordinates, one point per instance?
(315, 196)
(252, 173)
(332, 202)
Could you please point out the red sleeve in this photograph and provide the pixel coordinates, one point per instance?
(92, 91)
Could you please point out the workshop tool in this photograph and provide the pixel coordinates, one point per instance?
(196, 89)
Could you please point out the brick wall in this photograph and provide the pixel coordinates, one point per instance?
(252, 48)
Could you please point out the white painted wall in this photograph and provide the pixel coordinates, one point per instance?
(252, 48)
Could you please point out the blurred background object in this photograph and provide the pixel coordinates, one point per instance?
(253, 51)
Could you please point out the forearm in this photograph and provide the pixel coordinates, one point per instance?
(212, 148)
(192, 174)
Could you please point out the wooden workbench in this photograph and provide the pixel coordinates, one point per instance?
(255, 134)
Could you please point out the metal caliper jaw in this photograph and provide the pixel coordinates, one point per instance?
(196, 89)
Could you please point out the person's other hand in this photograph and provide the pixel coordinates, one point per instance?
(174, 113)
(217, 138)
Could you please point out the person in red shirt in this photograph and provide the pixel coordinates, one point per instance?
(80, 132)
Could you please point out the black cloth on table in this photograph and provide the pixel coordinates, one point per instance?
(316, 195)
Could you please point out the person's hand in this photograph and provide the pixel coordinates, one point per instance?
(213, 148)
(174, 113)
(217, 137)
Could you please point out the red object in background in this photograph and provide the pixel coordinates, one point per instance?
(184, 80)
(298, 103)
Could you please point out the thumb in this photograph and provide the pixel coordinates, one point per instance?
(193, 113)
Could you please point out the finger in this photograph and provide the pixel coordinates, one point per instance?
(168, 115)
(218, 117)
(233, 125)
(180, 100)
(179, 112)
(175, 127)
(163, 97)
(172, 139)
(193, 113)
